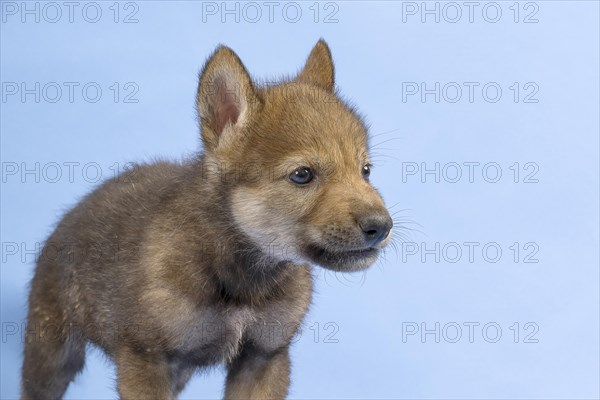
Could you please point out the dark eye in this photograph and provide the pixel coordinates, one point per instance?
(301, 176)
(366, 171)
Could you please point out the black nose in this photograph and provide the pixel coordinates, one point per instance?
(375, 227)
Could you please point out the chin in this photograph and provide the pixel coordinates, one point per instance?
(342, 261)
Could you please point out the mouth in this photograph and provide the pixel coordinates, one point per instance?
(343, 260)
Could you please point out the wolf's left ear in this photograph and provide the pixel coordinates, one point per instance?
(226, 98)
(318, 70)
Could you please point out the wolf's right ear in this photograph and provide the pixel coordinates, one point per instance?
(318, 70)
(226, 98)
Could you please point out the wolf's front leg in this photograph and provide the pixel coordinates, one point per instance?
(256, 374)
(142, 376)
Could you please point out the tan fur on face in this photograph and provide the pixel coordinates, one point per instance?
(283, 217)
(273, 230)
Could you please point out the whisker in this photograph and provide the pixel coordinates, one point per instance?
(384, 133)
(378, 144)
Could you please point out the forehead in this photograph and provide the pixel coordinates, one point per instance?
(302, 121)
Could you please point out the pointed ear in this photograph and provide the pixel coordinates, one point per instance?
(227, 98)
(318, 70)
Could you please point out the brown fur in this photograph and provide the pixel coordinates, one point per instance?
(174, 267)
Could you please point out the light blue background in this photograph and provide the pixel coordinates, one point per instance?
(375, 52)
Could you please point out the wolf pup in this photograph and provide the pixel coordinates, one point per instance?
(172, 267)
